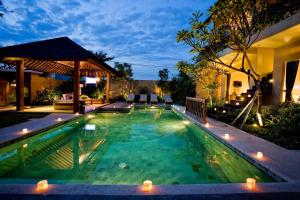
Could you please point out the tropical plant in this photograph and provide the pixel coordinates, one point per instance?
(182, 86)
(233, 24)
(206, 75)
(125, 77)
(163, 82)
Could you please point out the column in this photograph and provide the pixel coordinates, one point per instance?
(20, 84)
(228, 76)
(76, 86)
(107, 87)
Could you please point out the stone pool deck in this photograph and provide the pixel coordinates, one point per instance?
(280, 163)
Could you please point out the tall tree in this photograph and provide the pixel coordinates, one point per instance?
(163, 80)
(125, 77)
(233, 24)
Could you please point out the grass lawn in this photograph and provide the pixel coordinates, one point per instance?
(11, 118)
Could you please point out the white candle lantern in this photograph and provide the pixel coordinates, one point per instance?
(25, 130)
(42, 185)
(147, 186)
(251, 183)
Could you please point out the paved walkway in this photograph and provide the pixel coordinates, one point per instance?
(14, 133)
(276, 161)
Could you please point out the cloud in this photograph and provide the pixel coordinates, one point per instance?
(132, 31)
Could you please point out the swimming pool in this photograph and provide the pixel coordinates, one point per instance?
(125, 148)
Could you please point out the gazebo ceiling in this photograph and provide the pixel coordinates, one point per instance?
(56, 56)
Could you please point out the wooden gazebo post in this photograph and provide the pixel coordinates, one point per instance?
(20, 84)
(107, 87)
(76, 86)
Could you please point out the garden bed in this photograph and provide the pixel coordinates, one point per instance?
(281, 123)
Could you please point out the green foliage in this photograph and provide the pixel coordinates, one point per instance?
(163, 80)
(46, 97)
(181, 87)
(83, 96)
(102, 56)
(125, 71)
(281, 123)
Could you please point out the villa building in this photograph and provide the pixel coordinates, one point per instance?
(275, 56)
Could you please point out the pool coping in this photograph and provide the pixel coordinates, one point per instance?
(275, 190)
(271, 164)
(195, 191)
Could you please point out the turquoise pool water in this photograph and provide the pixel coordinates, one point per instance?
(125, 148)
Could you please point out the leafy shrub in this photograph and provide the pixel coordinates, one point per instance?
(281, 123)
(45, 97)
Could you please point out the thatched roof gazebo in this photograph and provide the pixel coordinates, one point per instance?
(58, 55)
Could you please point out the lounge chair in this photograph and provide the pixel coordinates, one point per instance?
(130, 98)
(143, 98)
(168, 99)
(153, 98)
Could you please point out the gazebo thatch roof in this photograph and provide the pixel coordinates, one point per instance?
(56, 56)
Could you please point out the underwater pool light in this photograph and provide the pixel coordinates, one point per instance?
(90, 127)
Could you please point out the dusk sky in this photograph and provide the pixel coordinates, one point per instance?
(141, 32)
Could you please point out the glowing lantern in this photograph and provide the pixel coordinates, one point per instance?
(224, 111)
(237, 103)
(259, 155)
(25, 145)
(215, 109)
(226, 101)
(147, 186)
(226, 136)
(114, 106)
(271, 80)
(242, 98)
(59, 119)
(251, 183)
(77, 114)
(42, 185)
(249, 95)
(207, 124)
(25, 130)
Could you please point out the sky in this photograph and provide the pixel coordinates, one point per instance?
(140, 32)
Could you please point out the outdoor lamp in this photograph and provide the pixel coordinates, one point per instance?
(251, 183)
(42, 185)
(59, 119)
(226, 136)
(147, 186)
(259, 155)
(25, 130)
